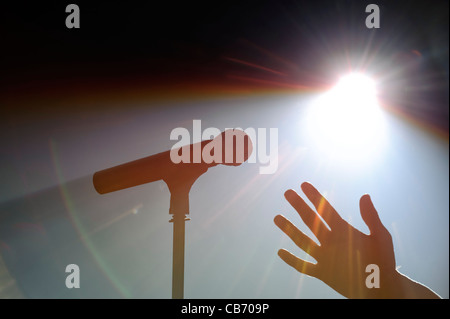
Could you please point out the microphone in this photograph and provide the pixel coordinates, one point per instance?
(231, 147)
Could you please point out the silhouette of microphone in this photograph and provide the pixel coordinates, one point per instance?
(179, 168)
(233, 147)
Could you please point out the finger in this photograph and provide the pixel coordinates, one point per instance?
(297, 236)
(323, 207)
(370, 216)
(302, 266)
(309, 217)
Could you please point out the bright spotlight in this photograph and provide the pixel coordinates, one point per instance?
(346, 122)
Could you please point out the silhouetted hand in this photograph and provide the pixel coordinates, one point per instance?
(345, 252)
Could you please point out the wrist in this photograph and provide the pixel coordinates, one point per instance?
(391, 285)
(404, 287)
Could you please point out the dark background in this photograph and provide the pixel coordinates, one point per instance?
(122, 44)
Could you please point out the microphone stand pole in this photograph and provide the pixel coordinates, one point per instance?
(178, 256)
(179, 187)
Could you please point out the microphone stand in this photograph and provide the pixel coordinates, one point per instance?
(179, 187)
(179, 179)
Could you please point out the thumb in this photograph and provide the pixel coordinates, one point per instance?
(370, 216)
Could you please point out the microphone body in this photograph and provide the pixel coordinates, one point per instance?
(145, 170)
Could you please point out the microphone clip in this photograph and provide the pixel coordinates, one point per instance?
(179, 184)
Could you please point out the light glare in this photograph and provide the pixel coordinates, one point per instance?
(347, 121)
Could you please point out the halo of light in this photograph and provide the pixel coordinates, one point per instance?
(347, 122)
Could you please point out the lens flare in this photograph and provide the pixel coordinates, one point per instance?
(347, 121)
